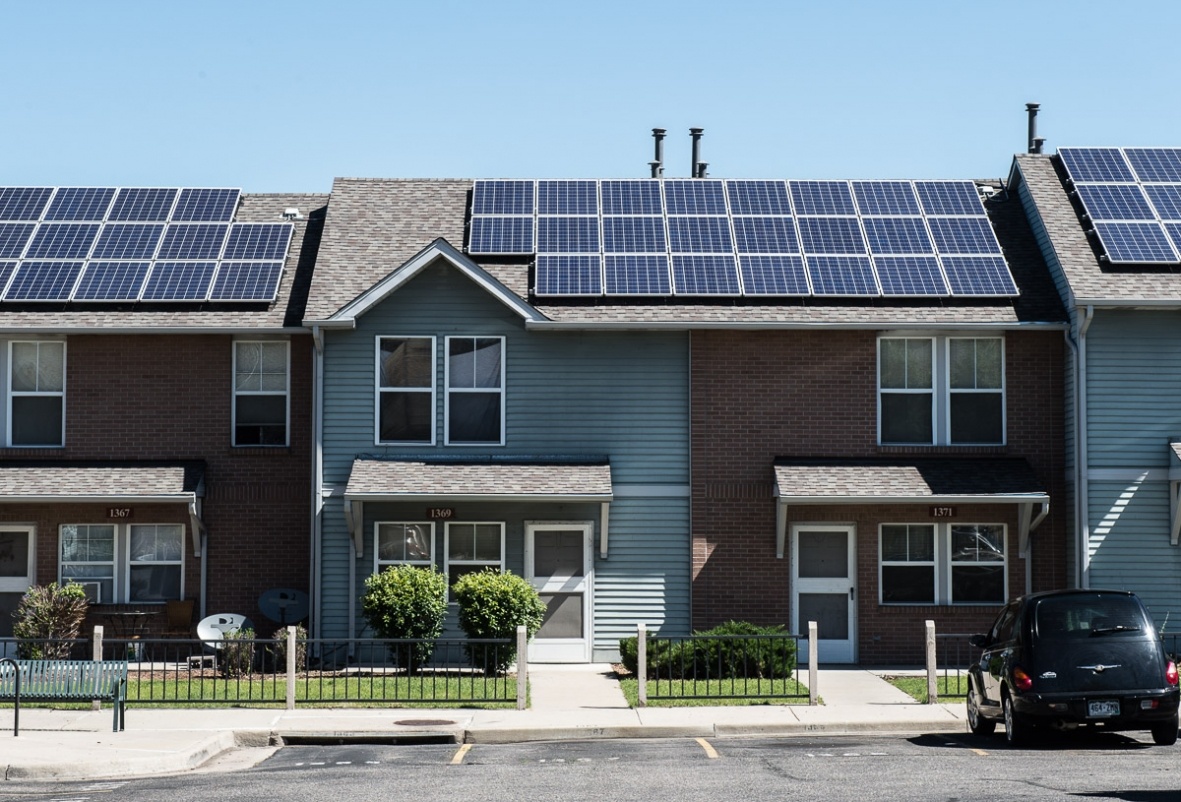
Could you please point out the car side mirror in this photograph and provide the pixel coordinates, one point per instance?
(979, 641)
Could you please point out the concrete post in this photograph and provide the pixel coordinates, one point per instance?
(522, 667)
(641, 665)
(97, 657)
(291, 646)
(813, 692)
(932, 675)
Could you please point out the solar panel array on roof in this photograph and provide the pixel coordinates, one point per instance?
(710, 237)
(1132, 197)
(135, 244)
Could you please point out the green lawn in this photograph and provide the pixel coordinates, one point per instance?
(948, 688)
(707, 693)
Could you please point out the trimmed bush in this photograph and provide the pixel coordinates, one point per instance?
(734, 650)
(407, 602)
(235, 658)
(50, 612)
(491, 606)
(301, 649)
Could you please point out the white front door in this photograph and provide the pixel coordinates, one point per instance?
(559, 564)
(824, 588)
(16, 574)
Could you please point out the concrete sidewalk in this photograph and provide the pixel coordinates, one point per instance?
(568, 703)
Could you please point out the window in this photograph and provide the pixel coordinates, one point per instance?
(943, 564)
(260, 393)
(941, 391)
(473, 547)
(36, 393)
(136, 563)
(403, 544)
(475, 390)
(406, 390)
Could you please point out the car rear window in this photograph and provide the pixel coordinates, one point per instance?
(1088, 615)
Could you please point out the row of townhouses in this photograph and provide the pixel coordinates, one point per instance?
(669, 401)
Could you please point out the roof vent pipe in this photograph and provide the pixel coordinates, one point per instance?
(695, 133)
(701, 169)
(1038, 143)
(1034, 142)
(657, 165)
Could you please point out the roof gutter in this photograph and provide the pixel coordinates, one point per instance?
(542, 325)
(1082, 485)
(146, 329)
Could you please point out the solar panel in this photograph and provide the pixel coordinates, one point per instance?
(962, 235)
(1155, 165)
(1166, 199)
(1173, 230)
(758, 197)
(1135, 243)
(910, 275)
(179, 281)
(128, 241)
(265, 241)
(567, 197)
(43, 281)
(699, 235)
(841, 275)
(1114, 202)
(631, 197)
(6, 270)
(569, 275)
(111, 281)
(1096, 164)
(773, 275)
(62, 241)
(979, 276)
(822, 197)
(634, 235)
(899, 235)
(567, 235)
(765, 235)
(206, 205)
(13, 239)
(831, 235)
(246, 281)
(193, 241)
(80, 204)
(24, 203)
(705, 274)
(636, 274)
(949, 198)
(502, 197)
(885, 197)
(142, 205)
(501, 235)
(694, 196)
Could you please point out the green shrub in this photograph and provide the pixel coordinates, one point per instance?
(492, 605)
(664, 657)
(732, 650)
(236, 656)
(50, 612)
(407, 602)
(301, 649)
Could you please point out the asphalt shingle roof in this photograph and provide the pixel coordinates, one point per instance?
(932, 478)
(371, 477)
(127, 479)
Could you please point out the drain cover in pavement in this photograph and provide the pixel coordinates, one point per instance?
(423, 722)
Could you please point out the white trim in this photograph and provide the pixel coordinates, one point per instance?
(564, 650)
(949, 391)
(933, 562)
(448, 562)
(121, 562)
(235, 393)
(838, 651)
(431, 388)
(10, 394)
(448, 389)
(15, 584)
(943, 565)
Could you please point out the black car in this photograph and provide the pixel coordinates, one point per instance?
(1069, 659)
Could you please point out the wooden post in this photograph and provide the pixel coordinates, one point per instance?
(813, 648)
(641, 665)
(97, 656)
(522, 667)
(932, 676)
(291, 646)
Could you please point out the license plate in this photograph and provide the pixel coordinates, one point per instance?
(1104, 708)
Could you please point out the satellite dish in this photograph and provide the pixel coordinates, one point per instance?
(284, 605)
(212, 629)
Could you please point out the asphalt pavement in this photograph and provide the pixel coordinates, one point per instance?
(567, 703)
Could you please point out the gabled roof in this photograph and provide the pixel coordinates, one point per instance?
(453, 480)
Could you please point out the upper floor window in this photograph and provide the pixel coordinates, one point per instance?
(37, 393)
(941, 391)
(475, 390)
(261, 388)
(406, 390)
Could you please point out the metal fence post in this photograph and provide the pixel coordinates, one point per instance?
(522, 667)
(291, 645)
(932, 677)
(97, 656)
(642, 665)
(813, 691)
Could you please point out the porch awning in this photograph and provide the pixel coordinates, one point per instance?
(934, 481)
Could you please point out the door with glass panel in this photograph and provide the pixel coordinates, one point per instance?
(558, 562)
(824, 588)
(16, 575)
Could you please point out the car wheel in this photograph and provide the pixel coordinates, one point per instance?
(1165, 733)
(977, 723)
(1016, 727)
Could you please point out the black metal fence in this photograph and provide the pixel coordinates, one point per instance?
(703, 667)
(953, 656)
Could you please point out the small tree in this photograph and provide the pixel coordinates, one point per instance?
(491, 606)
(236, 658)
(301, 648)
(407, 602)
(47, 618)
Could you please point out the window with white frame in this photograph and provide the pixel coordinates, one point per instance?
(943, 564)
(403, 544)
(261, 389)
(941, 391)
(475, 391)
(406, 390)
(36, 393)
(125, 563)
(472, 547)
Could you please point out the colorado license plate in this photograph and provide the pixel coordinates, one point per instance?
(1104, 708)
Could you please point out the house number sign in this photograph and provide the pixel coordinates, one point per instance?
(435, 513)
(943, 512)
(119, 512)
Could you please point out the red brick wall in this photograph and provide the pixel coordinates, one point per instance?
(765, 394)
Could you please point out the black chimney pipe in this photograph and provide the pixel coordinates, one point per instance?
(695, 133)
(1035, 144)
(658, 164)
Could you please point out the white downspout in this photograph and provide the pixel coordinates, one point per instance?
(1083, 498)
(317, 479)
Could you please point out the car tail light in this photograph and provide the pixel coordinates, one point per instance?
(1171, 673)
(1022, 680)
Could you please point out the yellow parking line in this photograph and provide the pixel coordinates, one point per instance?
(980, 752)
(458, 757)
(710, 752)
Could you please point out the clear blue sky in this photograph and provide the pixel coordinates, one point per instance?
(283, 96)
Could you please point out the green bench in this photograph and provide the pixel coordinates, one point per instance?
(66, 681)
